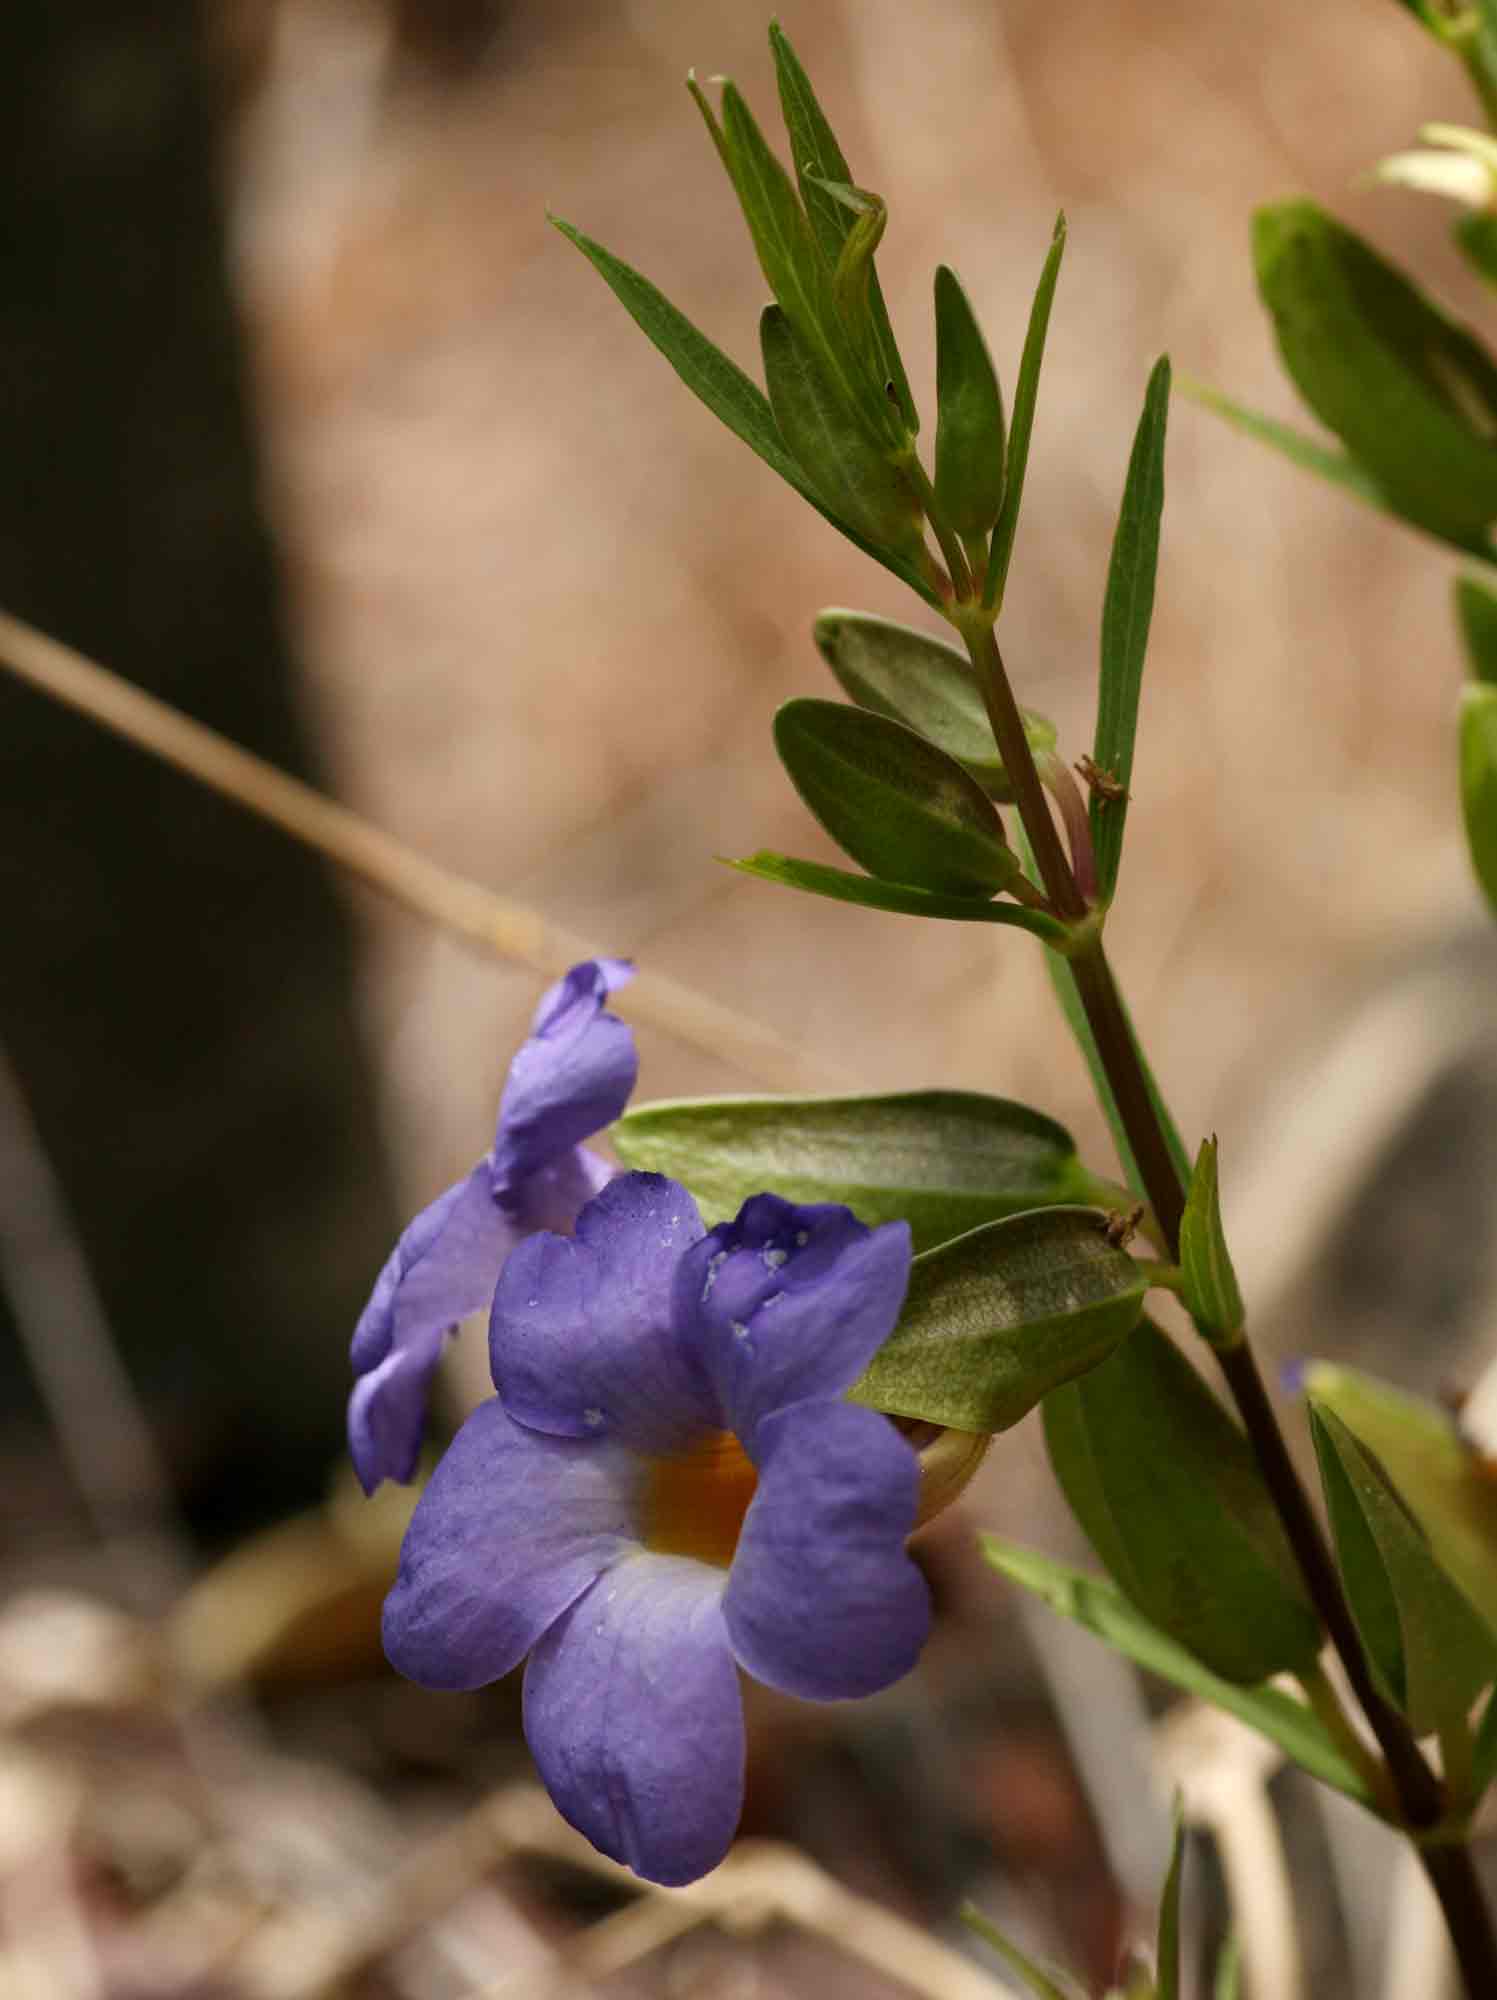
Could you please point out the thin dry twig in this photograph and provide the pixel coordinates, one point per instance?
(500, 926)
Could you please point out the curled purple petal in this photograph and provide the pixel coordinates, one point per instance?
(581, 1337)
(633, 1716)
(444, 1267)
(512, 1528)
(570, 1077)
(822, 1600)
(787, 1302)
(554, 1196)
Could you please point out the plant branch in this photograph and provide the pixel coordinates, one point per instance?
(1018, 763)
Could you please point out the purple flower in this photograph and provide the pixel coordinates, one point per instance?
(668, 1487)
(569, 1079)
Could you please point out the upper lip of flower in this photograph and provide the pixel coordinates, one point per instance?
(612, 1350)
(571, 1077)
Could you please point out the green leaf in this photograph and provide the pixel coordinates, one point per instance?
(1315, 457)
(1168, 1491)
(1167, 1979)
(795, 266)
(1042, 1984)
(1476, 239)
(1434, 1471)
(970, 433)
(1026, 395)
(996, 1319)
(819, 160)
(930, 687)
(1479, 782)
(722, 385)
(1211, 1292)
(1126, 613)
(816, 879)
(852, 273)
(1101, 1607)
(1429, 1650)
(1484, 1754)
(1228, 1982)
(1476, 611)
(1410, 393)
(942, 1160)
(856, 481)
(900, 807)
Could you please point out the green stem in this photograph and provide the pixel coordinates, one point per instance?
(1420, 1795)
(946, 535)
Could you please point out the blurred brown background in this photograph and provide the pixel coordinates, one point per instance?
(480, 564)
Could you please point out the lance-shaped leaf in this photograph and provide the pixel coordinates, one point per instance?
(970, 434)
(1411, 394)
(794, 263)
(943, 1161)
(1429, 1650)
(815, 878)
(925, 684)
(1126, 613)
(1435, 1472)
(1101, 1607)
(1210, 1289)
(1041, 1983)
(1168, 1491)
(819, 163)
(1479, 782)
(1476, 611)
(1026, 396)
(996, 1319)
(900, 807)
(854, 477)
(722, 385)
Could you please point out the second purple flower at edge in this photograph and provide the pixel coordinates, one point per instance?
(669, 1486)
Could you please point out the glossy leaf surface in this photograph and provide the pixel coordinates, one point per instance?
(1167, 1489)
(1100, 1606)
(927, 685)
(900, 807)
(1026, 398)
(841, 886)
(1127, 611)
(942, 1160)
(1429, 1651)
(996, 1319)
(1211, 1292)
(970, 435)
(1411, 393)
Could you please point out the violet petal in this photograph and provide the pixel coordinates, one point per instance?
(570, 1077)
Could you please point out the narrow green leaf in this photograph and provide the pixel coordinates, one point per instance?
(929, 686)
(1126, 612)
(1435, 1472)
(1042, 1984)
(1479, 782)
(818, 880)
(1167, 1966)
(996, 1319)
(1484, 1754)
(970, 435)
(1476, 612)
(1101, 1607)
(852, 273)
(1429, 1650)
(1228, 1982)
(721, 384)
(1476, 239)
(900, 807)
(819, 160)
(943, 1161)
(1168, 1492)
(854, 477)
(1026, 395)
(1211, 1291)
(796, 268)
(1410, 393)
